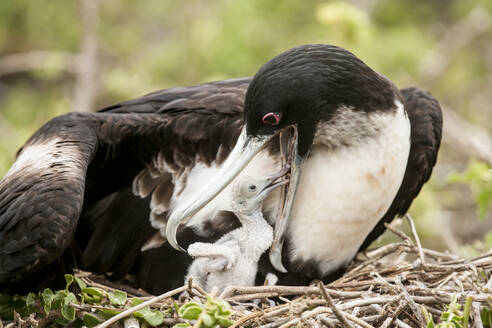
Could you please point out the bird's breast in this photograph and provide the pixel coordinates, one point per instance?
(344, 191)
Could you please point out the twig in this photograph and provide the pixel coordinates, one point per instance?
(465, 137)
(410, 301)
(93, 306)
(416, 238)
(401, 324)
(475, 314)
(37, 60)
(339, 314)
(141, 306)
(358, 321)
(399, 233)
(458, 36)
(488, 286)
(85, 90)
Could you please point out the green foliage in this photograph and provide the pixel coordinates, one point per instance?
(479, 177)
(486, 316)
(212, 314)
(453, 317)
(61, 307)
(152, 317)
(117, 297)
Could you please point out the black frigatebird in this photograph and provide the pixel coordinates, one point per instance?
(84, 186)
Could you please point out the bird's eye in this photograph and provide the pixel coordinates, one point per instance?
(252, 187)
(271, 119)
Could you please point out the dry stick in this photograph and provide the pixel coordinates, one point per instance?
(86, 88)
(398, 310)
(339, 314)
(475, 314)
(401, 324)
(488, 286)
(320, 310)
(441, 283)
(386, 322)
(410, 301)
(327, 321)
(275, 324)
(417, 239)
(36, 60)
(141, 306)
(248, 317)
(399, 233)
(90, 307)
(358, 321)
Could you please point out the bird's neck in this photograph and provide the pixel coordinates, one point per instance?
(255, 228)
(252, 219)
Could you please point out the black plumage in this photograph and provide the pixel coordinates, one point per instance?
(85, 208)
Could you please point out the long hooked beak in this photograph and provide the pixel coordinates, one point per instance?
(246, 148)
(287, 197)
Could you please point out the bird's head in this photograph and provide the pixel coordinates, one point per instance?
(288, 97)
(249, 193)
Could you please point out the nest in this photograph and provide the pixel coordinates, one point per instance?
(396, 285)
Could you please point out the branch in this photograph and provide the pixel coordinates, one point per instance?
(86, 85)
(466, 137)
(38, 60)
(458, 36)
(339, 314)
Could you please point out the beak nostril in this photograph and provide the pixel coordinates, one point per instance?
(271, 119)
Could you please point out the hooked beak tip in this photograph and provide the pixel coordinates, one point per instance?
(276, 259)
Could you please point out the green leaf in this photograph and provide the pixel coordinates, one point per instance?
(136, 301)
(92, 294)
(117, 297)
(30, 299)
(80, 283)
(190, 310)
(484, 200)
(153, 317)
(58, 299)
(5, 298)
(67, 310)
(479, 178)
(182, 325)
(106, 313)
(61, 321)
(427, 317)
(93, 291)
(48, 298)
(90, 320)
(466, 311)
(208, 320)
(486, 316)
(224, 321)
(69, 279)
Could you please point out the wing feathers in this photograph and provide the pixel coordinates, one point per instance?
(77, 164)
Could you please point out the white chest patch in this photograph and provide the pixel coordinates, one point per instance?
(344, 191)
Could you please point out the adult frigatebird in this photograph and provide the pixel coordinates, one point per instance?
(84, 186)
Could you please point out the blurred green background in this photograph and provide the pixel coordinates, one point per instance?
(58, 56)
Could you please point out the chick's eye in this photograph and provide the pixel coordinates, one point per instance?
(252, 187)
(271, 119)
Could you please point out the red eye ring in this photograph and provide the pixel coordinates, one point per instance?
(271, 119)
